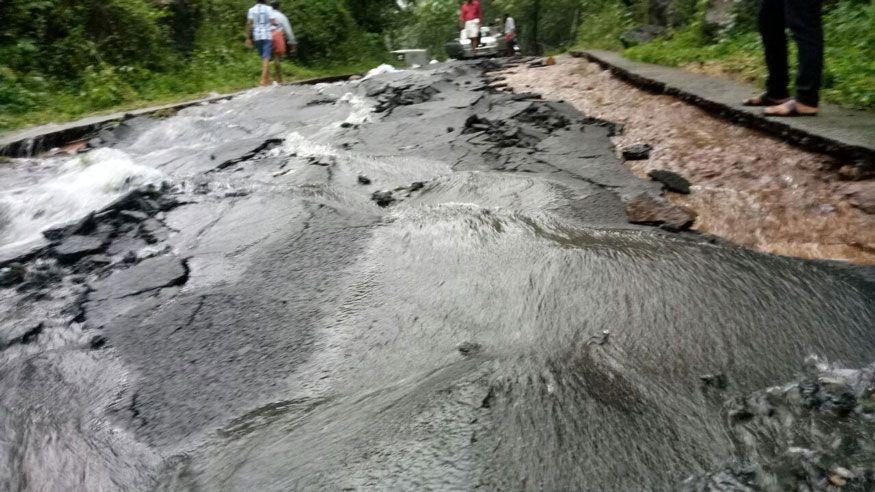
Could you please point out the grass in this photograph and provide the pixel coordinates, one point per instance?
(33, 100)
(849, 73)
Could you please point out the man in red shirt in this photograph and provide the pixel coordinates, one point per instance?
(470, 21)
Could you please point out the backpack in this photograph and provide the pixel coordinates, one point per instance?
(278, 40)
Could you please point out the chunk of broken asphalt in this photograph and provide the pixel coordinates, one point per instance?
(650, 210)
(12, 275)
(75, 247)
(671, 181)
(637, 152)
(383, 198)
(148, 275)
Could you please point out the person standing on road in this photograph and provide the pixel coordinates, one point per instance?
(510, 34)
(804, 18)
(283, 40)
(470, 20)
(259, 22)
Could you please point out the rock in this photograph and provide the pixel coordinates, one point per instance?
(383, 198)
(450, 129)
(468, 348)
(416, 185)
(75, 247)
(362, 179)
(346, 124)
(148, 275)
(849, 172)
(671, 181)
(646, 209)
(97, 342)
(637, 152)
(717, 381)
(355, 77)
(862, 196)
(641, 35)
(41, 275)
(12, 275)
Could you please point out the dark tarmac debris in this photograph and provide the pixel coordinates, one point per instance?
(12, 275)
(76, 247)
(812, 434)
(97, 342)
(651, 210)
(637, 152)
(383, 198)
(363, 180)
(671, 181)
(717, 381)
(469, 348)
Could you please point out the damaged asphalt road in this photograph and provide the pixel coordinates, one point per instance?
(396, 283)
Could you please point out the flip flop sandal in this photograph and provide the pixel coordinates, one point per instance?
(763, 100)
(793, 113)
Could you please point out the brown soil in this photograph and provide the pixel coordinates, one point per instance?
(750, 188)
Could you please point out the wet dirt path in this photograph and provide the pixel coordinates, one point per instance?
(748, 188)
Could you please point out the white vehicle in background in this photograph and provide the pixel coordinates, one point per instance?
(491, 44)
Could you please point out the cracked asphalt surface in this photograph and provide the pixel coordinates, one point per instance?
(408, 281)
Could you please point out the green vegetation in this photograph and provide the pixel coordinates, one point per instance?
(60, 59)
(736, 51)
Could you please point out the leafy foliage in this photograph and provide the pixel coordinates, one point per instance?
(62, 58)
(736, 51)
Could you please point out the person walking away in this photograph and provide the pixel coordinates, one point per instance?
(510, 34)
(283, 40)
(259, 22)
(804, 18)
(470, 20)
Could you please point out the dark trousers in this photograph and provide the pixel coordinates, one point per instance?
(804, 19)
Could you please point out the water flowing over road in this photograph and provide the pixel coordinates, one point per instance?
(407, 281)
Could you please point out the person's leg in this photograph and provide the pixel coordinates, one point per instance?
(266, 50)
(773, 32)
(804, 18)
(279, 71)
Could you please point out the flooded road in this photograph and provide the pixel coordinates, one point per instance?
(408, 281)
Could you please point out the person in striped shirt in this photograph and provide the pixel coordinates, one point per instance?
(259, 23)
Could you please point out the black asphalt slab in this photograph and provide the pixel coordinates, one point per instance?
(843, 133)
(412, 281)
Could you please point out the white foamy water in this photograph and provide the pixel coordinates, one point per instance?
(361, 109)
(80, 185)
(384, 68)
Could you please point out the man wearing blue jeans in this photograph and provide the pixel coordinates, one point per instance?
(804, 19)
(259, 21)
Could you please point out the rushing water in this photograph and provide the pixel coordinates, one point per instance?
(499, 325)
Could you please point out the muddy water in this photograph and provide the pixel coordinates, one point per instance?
(751, 189)
(270, 318)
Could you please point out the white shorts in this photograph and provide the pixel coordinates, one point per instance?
(472, 29)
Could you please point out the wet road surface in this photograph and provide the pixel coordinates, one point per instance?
(409, 281)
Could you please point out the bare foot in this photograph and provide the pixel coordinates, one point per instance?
(790, 108)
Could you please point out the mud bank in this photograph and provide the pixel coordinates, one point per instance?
(406, 281)
(749, 188)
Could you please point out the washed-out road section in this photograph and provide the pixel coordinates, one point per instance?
(408, 281)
